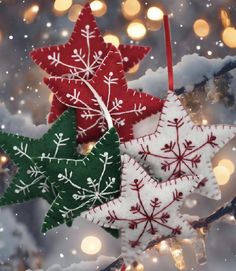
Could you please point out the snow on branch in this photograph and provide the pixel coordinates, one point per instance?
(191, 72)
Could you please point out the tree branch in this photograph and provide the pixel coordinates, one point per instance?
(228, 208)
(227, 68)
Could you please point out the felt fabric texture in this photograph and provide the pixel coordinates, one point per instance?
(178, 147)
(84, 183)
(81, 56)
(126, 106)
(30, 180)
(145, 209)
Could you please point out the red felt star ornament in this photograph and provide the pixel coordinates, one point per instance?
(126, 106)
(82, 55)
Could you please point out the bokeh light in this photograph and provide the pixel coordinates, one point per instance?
(50, 97)
(155, 14)
(225, 19)
(136, 30)
(98, 7)
(1, 37)
(139, 267)
(229, 37)
(131, 8)
(134, 69)
(91, 245)
(3, 159)
(222, 175)
(201, 28)
(74, 12)
(111, 38)
(62, 5)
(30, 14)
(227, 164)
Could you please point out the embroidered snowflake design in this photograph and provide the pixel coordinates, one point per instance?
(179, 155)
(94, 194)
(114, 105)
(83, 183)
(147, 219)
(126, 106)
(145, 209)
(178, 147)
(35, 172)
(85, 68)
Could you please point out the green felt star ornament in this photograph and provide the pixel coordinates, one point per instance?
(83, 183)
(30, 180)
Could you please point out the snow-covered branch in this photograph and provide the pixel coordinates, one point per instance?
(191, 72)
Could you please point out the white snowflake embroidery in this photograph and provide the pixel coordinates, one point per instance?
(59, 141)
(114, 107)
(90, 195)
(83, 57)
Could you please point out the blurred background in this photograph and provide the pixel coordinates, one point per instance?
(203, 35)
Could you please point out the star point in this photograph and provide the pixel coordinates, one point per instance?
(30, 180)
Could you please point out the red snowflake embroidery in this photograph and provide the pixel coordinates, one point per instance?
(179, 154)
(149, 218)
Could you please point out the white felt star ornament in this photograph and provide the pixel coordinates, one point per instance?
(145, 209)
(178, 147)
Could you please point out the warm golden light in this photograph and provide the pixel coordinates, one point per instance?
(227, 164)
(98, 7)
(136, 30)
(62, 5)
(74, 12)
(1, 37)
(225, 19)
(201, 28)
(163, 247)
(3, 159)
(204, 122)
(229, 37)
(30, 14)
(139, 267)
(50, 98)
(155, 14)
(111, 38)
(134, 69)
(131, 8)
(177, 254)
(86, 148)
(91, 245)
(222, 175)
